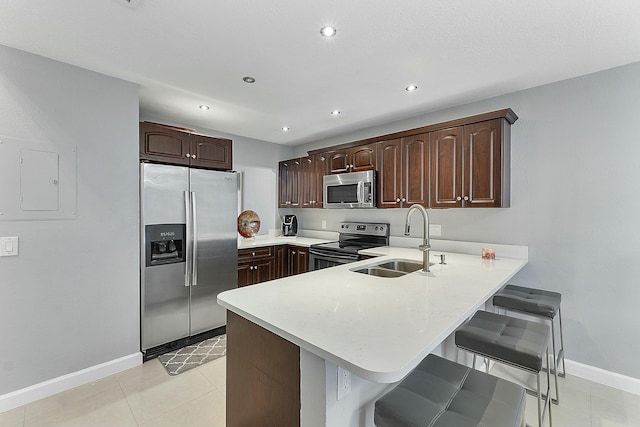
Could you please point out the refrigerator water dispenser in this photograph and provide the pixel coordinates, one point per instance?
(164, 244)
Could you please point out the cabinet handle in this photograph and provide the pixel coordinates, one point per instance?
(193, 156)
(253, 254)
(458, 198)
(187, 155)
(397, 200)
(466, 197)
(404, 200)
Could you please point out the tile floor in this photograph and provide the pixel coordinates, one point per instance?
(147, 396)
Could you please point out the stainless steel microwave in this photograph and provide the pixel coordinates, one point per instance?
(350, 190)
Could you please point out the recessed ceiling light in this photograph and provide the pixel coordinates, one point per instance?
(411, 88)
(249, 79)
(328, 31)
(204, 107)
(285, 128)
(335, 112)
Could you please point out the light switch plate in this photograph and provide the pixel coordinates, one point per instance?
(8, 246)
(435, 230)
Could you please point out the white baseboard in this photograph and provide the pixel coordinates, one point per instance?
(601, 376)
(56, 385)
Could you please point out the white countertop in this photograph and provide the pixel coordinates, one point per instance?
(377, 328)
(279, 240)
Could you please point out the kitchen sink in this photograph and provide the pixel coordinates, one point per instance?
(391, 268)
(380, 272)
(401, 265)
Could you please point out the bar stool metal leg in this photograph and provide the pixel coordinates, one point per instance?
(555, 363)
(561, 353)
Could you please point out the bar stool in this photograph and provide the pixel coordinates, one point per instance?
(442, 393)
(514, 342)
(538, 303)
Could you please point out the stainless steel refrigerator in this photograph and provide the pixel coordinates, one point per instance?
(188, 251)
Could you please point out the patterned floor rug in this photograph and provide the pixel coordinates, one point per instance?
(192, 356)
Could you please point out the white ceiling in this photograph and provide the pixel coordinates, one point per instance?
(191, 52)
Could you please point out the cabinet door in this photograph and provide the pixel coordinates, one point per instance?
(288, 190)
(211, 153)
(164, 144)
(389, 174)
(245, 274)
(283, 196)
(320, 170)
(482, 165)
(264, 270)
(298, 260)
(306, 181)
(303, 260)
(363, 158)
(446, 168)
(281, 266)
(415, 170)
(293, 183)
(339, 162)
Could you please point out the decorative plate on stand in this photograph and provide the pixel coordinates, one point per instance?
(248, 223)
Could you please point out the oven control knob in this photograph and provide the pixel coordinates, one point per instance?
(376, 228)
(382, 228)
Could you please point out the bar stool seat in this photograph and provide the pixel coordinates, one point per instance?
(516, 342)
(528, 300)
(442, 393)
(505, 338)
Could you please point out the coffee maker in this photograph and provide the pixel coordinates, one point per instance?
(289, 225)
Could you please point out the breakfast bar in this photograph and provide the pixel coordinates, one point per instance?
(317, 349)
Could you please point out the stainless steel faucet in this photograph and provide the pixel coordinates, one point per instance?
(425, 246)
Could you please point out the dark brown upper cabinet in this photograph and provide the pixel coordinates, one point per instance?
(459, 163)
(306, 182)
(403, 172)
(288, 184)
(300, 182)
(470, 165)
(320, 170)
(355, 159)
(174, 146)
(211, 153)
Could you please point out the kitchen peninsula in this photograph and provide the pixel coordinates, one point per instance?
(288, 338)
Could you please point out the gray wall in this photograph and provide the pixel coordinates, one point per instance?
(70, 300)
(574, 202)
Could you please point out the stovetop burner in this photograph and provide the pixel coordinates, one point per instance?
(355, 236)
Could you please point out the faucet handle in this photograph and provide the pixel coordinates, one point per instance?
(424, 247)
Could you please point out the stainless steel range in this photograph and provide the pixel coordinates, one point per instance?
(354, 236)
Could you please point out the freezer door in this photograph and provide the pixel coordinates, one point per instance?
(164, 296)
(215, 221)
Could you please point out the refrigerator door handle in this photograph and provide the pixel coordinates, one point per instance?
(194, 258)
(189, 255)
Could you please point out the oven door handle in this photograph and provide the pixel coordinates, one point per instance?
(334, 255)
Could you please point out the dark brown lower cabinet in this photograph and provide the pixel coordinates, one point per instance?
(261, 264)
(256, 265)
(282, 261)
(263, 377)
(298, 260)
